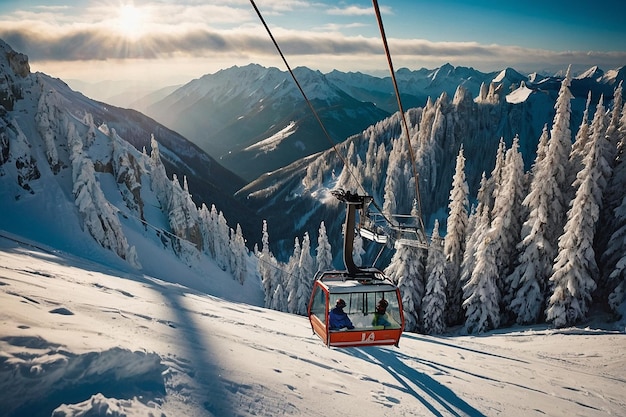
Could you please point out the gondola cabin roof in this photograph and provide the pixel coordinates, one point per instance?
(367, 280)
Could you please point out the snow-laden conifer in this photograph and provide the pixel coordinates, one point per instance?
(575, 271)
(481, 296)
(183, 218)
(324, 254)
(614, 223)
(358, 250)
(48, 118)
(394, 179)
(613, 133)
(496, 178)
(506, 217)
(407, 271)
(350, 178)
(127, 173)
(306, 275)
(239, 255)
(581, 144)
(222, 242)
(454, 245)
(279, 302)
(475, 230)
(434, 302)
(609, 220)
(546, 205)
(99, 216)
(293, 277)
(542, 148)
(158, 176)
(266, 266)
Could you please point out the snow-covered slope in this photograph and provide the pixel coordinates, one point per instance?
(85, 339)
(70, 178)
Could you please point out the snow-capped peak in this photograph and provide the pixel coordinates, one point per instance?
(594, 73)
(519, 95)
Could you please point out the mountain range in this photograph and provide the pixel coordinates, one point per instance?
(504, 106)
(254, 119)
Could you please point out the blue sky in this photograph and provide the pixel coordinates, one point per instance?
(174, 41)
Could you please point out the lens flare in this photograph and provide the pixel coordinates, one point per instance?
(130, 21)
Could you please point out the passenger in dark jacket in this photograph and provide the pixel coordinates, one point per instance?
(338, 319)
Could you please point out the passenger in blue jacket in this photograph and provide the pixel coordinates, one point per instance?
(338, 319)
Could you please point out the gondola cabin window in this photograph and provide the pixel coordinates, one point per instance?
(318, 304)
(361, 309)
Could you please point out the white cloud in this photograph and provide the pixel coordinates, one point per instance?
(357, 11)
(229, 32)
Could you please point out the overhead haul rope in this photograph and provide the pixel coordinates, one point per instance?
(343, 159)
(402, 115)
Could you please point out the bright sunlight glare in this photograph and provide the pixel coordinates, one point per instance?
(130, 21)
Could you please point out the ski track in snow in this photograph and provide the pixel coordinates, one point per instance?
(98, 343)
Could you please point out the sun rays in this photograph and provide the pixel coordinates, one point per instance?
(131, 21)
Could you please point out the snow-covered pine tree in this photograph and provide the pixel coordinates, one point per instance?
(239, 255)
(221, 239)
(266, 266)
(324, 254)
(378, 181)
(430, 137)
(507, 215)
(90, 137)
(99, 216)
(454, 245)
(184, 220)
(542, 148)
(581, 144)
(613, 222)
(407, 271)
(279, 302)
(357, 250)
(429, 114)
(481, 296)
(293, 278)
(475, 231)
(556, 163)
(495, 180)
(371, 175)
(434, 302)
(48, 117)
(546, 205)
(350, 178)
(159, 181)
(306, 275)
(575, 271)
(394, 178)
(616, 270)
(207, 229)
(127, 172)
(609, 220)
(613, 133)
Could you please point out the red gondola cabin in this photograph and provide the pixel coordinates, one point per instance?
(361, 294)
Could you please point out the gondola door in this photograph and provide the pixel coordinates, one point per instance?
(318, 312)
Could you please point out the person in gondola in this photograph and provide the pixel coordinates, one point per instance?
(338, 319)
(380, 316)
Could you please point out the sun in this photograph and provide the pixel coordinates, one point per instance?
(130, 21)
